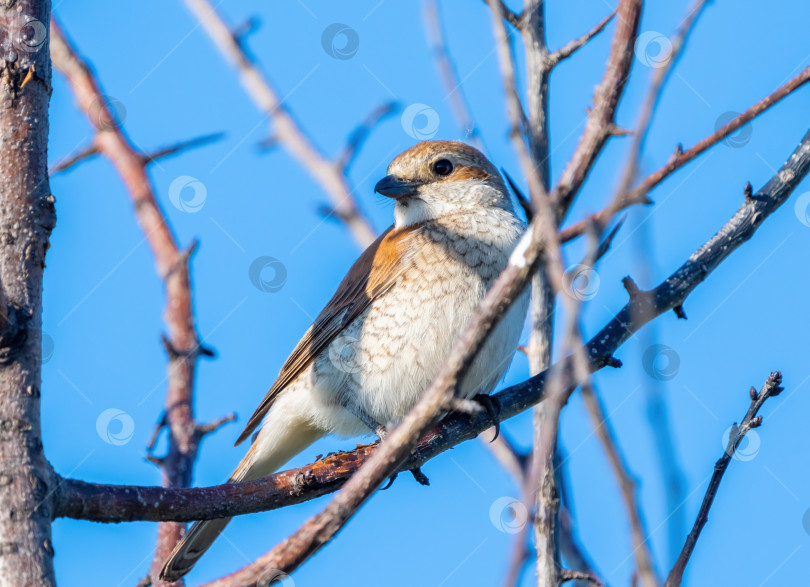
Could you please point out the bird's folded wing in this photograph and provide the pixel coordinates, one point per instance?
(377, 269)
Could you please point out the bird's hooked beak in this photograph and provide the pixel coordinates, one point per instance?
(396, 187)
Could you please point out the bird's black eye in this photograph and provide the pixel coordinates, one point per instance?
(443, 167)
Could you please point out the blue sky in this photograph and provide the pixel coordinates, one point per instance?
(103, 301)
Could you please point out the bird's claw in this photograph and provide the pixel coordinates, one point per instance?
(492, 406)
(417, 473)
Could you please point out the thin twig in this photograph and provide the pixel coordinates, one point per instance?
(361, 133)
(771, 388)
(183, 146)
(680, 158)
(68, 162)
(286, 130)
(643, 556)
(448, 75)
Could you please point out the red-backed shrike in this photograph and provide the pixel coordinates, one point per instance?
(382, 337)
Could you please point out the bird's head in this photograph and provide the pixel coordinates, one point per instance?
(438, 178)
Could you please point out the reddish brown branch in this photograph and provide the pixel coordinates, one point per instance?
(182, 342)
(680, 158)
(600, 125)
(771, 388)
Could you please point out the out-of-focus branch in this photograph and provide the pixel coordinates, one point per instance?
(330, 175)
(601, 125)
(679, 158)
(106, 503)
(448, 75)
(182, 342)
(771, 388)
(644, 565)
(660, 75)
(361, 133)
(68, 162)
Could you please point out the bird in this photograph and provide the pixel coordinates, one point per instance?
(373, 350)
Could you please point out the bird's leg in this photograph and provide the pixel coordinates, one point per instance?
(492, 405)
(478, 402)
(366, 419)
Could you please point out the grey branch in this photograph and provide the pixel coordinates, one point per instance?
(771, 388)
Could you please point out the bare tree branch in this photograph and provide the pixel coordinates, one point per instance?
(572, 47)
(771, 388)
(70, 161)
(679, 158)
(286, 130)
(448, 74)
(109, 503)
(644, 564)
(182, 344)
(27, 217)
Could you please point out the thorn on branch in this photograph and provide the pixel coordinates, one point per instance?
(631, 287)
(420, 477)
(162, 422)
(749, 192)
(679, 312)
(677, 154)
(617, 131)
(157, 461)
(173, 353)
(242, 31)
(611, 361)
(203, 429)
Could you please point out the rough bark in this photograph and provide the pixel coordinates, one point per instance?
(27, 217)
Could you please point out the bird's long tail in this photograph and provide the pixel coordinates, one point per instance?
(276, 443)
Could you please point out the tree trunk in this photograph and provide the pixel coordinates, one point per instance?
(27, 217)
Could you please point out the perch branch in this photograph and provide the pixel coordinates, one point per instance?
(109, 503)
